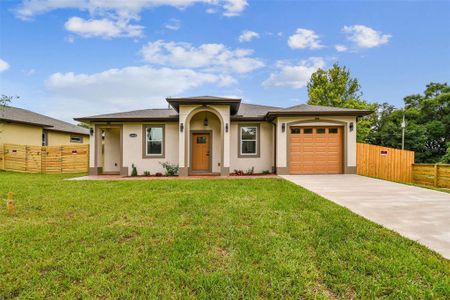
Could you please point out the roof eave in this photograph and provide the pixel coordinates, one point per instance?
(87, 119)
(25, 122)
(176, 102)
(319, 113)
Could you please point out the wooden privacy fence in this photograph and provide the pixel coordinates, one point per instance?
(48, 159)
(384, 163)
(437, 175)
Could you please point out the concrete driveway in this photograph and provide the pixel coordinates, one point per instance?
(419, 214)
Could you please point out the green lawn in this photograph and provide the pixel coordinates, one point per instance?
(242, 238)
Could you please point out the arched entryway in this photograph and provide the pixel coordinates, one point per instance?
(204, 141)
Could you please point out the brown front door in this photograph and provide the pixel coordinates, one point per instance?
(316, 150)
(200, 152)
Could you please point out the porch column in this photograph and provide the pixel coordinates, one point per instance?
(225, 168)
(95, 145)
(184, 170)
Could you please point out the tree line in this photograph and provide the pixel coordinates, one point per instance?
(427, 115)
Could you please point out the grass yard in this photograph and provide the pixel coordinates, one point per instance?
(242, 238)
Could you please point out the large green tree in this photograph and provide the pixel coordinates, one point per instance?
(335, 87)
(427, 129)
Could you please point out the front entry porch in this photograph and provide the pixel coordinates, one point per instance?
(202, 144)
(108, 151)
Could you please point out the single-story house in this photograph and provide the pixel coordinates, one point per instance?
(24, 127)
(216, 135)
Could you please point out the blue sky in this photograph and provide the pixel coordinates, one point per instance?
(83, 57)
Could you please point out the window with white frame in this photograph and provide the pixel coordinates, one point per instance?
(248, 144)
(154, 140)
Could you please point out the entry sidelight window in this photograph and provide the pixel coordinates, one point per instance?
(249, 140)
(154, 140)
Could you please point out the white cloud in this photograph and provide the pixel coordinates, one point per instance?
(304, 39)
(111, 18)
(173, 24)
(104, 28)
(247, 36)
(3, 65)
(234, 7)
(340, 48)
(205, 56)
(365, 37)
(126, 9)
(294, 76)
(126, 88)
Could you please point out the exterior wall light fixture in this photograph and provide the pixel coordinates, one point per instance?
(351, 126)
(181, 127)
(283, 127)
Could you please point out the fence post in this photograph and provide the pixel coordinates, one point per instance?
(2, 152)
(61, 149)
(436, 175)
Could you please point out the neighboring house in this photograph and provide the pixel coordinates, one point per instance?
(21, 126)
(213, 135)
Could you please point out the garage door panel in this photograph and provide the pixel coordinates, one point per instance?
(316, 153)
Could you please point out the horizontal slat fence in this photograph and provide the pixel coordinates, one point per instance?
(437, 175)
(49, 159)
(384, 163)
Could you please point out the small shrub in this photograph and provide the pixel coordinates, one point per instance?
(134, 170)
(158, 174)
(146, 173)
(265, 172)
(250, 171)
(238, 172)
(171, 169)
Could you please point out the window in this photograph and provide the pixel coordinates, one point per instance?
(295, 130)
(248, 143)
(76, 139)
(201, 140)
(154, 140)
(333, 130)
(320, 130)
(307, 131)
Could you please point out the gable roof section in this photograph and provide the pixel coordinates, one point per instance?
(232, 102)
(23, 116)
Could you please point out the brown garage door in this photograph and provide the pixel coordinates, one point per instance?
(315, 150)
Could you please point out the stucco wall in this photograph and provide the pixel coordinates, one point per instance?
(265, 161)
(13, 133)
(132, 148)
(282, 136)
(56, 138)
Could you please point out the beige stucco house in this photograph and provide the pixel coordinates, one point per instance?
(24, 127)
(214, 135)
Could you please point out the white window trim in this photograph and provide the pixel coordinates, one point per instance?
(147, 154)
(241, 140)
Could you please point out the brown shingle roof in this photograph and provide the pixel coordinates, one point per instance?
(306, 109)
(248, 111)
(20, 115)
(245, 111)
